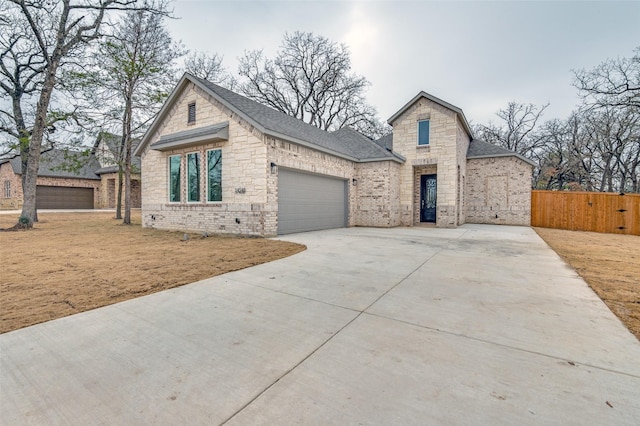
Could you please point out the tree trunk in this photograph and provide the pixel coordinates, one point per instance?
(30, 174)
(127, 183)
(119, 198)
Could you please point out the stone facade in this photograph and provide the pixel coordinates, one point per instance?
(381, 193)
(444, 153)
(244, 208)
(494, 191)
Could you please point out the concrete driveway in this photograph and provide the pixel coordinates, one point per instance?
(475, 325)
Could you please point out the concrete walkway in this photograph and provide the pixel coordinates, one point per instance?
(475, 325)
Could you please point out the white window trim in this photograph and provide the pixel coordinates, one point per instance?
(207, 179)
(169, 178)
(186, 171)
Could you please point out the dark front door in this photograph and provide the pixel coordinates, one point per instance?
(428, 198)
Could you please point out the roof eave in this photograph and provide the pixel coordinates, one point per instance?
(309, 145)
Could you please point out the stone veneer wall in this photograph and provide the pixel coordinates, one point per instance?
(442, 152)
(498, 191)
(244, 208)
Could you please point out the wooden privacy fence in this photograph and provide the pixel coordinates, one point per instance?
(586, 211)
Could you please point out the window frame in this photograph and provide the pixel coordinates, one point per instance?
(428, 143)
(208, 177)
(198, 174)
(179, 192)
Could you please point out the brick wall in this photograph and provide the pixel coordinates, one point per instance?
(498, 191)
(378, 194)
(14, 201)
(17, 197)
(109, 191)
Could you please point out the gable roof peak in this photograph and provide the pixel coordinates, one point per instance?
(451, 107)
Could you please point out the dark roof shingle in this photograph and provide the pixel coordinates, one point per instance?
(55, 162)
(279, 124)
(482, 149)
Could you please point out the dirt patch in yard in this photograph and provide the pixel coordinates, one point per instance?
(609, 263)
(74, 262)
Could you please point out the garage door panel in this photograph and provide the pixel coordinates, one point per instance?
(61, 197)
(309, 202)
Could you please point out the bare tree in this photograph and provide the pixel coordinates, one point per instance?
(131, 75)
(210, 68)
(613, 83)
(516, 130)
(310, 78)
(54, 31)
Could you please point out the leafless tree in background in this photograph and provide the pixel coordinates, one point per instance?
(210, 68)
(310, 78)
(129, 78)
(53, 33)
(613, 83)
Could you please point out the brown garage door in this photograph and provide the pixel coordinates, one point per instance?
(60, 197)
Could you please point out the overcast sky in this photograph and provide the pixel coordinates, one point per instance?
(477, 55)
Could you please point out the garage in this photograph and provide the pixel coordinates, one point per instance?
(62, 197)
(309, 202)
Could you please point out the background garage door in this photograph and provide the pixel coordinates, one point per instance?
(309, 202)
(60, 197)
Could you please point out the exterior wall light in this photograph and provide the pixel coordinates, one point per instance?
(354, 181)
(274, 168)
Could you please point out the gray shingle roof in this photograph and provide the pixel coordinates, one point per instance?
(278, 124)
(52, 161)
(386, 141)
(113, 142)
(482, 149)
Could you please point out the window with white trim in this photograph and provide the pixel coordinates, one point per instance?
(193, 177)
(174, 178)
(7, 189)
(214, 175)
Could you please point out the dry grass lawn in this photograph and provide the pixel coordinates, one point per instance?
(609, 263)
(73, 262)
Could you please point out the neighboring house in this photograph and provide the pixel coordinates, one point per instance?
(105, 150)
(56, 187)
(216, 161)
(93, 185)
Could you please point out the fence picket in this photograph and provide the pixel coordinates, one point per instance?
(586, 211)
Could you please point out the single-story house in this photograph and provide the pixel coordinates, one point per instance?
(91, 185)
(216, 161)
